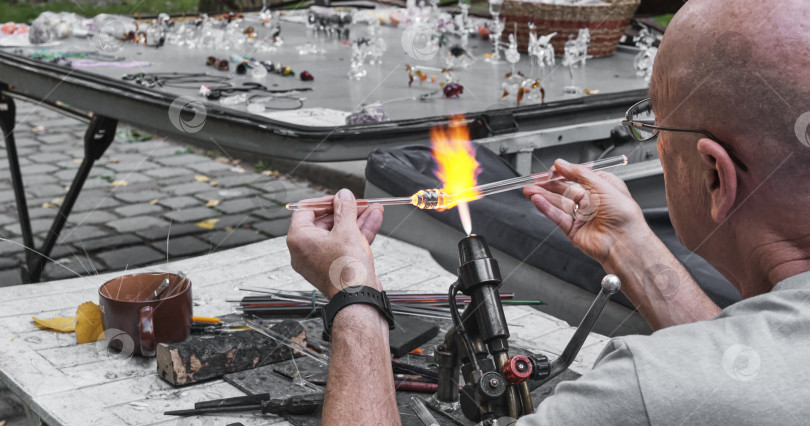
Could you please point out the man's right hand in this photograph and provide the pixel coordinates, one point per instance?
(606, 214)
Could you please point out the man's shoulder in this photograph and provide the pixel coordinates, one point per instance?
(720, 369)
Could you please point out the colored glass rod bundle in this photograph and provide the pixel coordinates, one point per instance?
(273, 303)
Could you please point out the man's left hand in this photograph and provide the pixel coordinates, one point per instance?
(330, 248)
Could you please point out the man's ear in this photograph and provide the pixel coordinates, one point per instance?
(719, 178)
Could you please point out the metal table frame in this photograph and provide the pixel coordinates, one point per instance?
(121, 101)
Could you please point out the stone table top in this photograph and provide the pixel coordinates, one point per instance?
(64, 383)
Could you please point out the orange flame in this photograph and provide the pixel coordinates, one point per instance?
(457, 166)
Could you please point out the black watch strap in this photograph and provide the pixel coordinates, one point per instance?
(357, 294)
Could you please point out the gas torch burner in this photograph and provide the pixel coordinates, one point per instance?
(496, 385)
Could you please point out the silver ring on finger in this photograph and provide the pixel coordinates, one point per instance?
(574, 211)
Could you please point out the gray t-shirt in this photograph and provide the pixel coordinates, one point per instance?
(748, 366)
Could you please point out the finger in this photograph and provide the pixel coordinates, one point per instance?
(370, 222)
(345, 211)
(325, 222)
(324, 199)
(302, 219)
(560, 218)
(556, 200)
(577, 173)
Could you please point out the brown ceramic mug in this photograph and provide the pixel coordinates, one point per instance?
(128, 304)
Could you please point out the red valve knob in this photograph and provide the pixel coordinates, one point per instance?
(517, 369)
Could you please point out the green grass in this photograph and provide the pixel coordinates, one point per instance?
(27, 12)
(663, 20)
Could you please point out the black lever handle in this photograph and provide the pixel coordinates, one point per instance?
(610, 285)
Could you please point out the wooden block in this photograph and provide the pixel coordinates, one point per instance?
(203, 357)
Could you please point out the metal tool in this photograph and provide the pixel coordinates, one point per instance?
(160, 289)
(439, 199)
(477, 345)
(297, 404)
(418, 406)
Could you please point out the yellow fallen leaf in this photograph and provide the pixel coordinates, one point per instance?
(214, 183)
(89, 323)
(212, 203)
(223, 160)
(207, 224)
(201, 178)
(58, 201)
(38, 129)
(60, 324)
(113, 160)
(77, 160)
(49, 205)
(120, 183)
(590, 92)
(237, 169)
(229, 228)
(153, 202)
(272, 173)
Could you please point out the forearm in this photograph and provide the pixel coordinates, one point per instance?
(656, 283)
(360, 388)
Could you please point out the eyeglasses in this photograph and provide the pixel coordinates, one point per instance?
(640, 121)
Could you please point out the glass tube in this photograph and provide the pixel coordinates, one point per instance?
(438, 199)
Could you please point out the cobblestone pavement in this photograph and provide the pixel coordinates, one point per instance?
(144, 202)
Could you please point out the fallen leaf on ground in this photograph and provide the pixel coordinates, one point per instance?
(89, 323)
(590, 92)
(153, 202)
(212, 203)
(60, 324)
(113, 160)
(38, 129)
(48, 206)
(201, 178)
(222, 160)
(119, 183)
(207, 224)
(237, 169)
(78, 160)
(273, 173)
(214, 183)
(229, 228)
(58, 201)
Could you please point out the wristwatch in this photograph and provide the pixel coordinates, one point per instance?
(356, 294)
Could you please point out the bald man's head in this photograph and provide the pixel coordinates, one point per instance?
(739, 69)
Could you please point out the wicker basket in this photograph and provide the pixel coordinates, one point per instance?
(606, 22)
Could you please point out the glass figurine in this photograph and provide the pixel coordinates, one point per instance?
(644, 60)
(541, 51)
(495, 7)
(575, 54)
(360, 49)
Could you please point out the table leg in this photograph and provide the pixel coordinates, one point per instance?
(100, 134)
(7, 122)
(33, 418)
